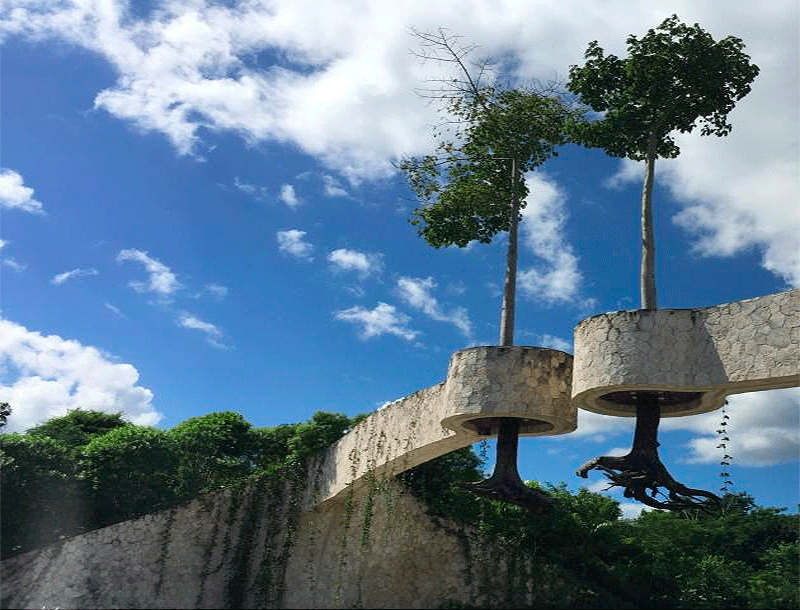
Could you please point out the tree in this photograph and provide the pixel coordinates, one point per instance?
(38, 480)
(78, 427)
(132, 471)
(474, 188)
(212, 450)
(675, 78)
(5, 411)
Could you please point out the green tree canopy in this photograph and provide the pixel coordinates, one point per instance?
(132, 470)
(78, 427)
(675, 78)
(468, 187)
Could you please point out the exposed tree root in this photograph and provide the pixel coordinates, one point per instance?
(505, 483)
(642, 474)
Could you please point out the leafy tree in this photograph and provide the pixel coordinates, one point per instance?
(212, 450)
(132, 470)
(474, 187)
(271, 446)
(78, 427)
(38, 480)
(319, 433)
(5, 411)
(676, 78)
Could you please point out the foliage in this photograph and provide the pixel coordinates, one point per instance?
(5, 412)
(674, 78)
(212, 450)
(132, 470)
(745, 557)
(468, 187)
(107, 470)
(438, 482)
(78, 427)
(37, 479)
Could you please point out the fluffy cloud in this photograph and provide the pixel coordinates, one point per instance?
(74, 273)
(15, 195)
(764, 429)
(381, 320)
(417, 293)
(288, 196)
(291, 242)
(342, 88)
(332, 187)
(161, 281)
(362, 263)
(44, 376)
(558, 280)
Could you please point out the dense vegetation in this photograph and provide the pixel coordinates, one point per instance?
(744, 557)
(106, 470)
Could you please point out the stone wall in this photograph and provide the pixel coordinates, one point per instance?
(252, 548)
(737, 347)
(483, 383)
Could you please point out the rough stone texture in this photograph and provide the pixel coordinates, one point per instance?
(233, 549)
(194, 556)
(737, 347)
(482, 383)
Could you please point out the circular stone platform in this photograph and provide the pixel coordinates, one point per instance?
(688, 360)
(487, 383)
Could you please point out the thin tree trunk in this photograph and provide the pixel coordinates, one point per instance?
(647, 277)
(509, 291)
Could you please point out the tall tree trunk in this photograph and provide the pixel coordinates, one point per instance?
(509, 290)
(647, 276)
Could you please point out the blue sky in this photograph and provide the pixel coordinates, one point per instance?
(199, 212)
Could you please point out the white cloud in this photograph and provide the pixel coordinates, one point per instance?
(213, 333)
(218, 291)
(162, 281)
(558, 280)
(258, 192)
(291, 242)
(3, 243)
(44, 376)
(764, 429)
(15, 195)
(383, 319)
(114, 309)
(343, 88)
(332, 187)
(362, 263)
(74, 273)
(12, 263)
(553, 342)
(417, 293)
(288, 196)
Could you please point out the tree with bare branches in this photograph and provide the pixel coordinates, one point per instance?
(473, 187)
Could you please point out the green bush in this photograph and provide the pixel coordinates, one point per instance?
(132, 470)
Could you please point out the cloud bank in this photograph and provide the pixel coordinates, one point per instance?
(44, 376)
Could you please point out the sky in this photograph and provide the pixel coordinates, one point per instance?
(200, 211)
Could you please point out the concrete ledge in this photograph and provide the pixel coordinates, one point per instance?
(483, 384)
(715, 351)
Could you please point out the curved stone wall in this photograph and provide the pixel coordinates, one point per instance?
(715, 351)
(482, 385)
